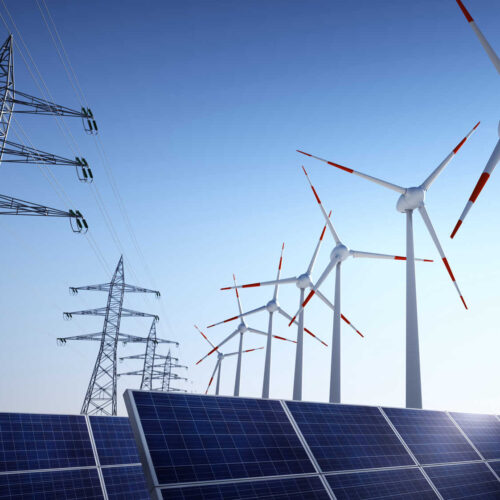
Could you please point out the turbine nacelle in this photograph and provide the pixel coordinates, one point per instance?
(340, 253)
(304, 281)
(242, 328)
(412, 198)
(272, 306)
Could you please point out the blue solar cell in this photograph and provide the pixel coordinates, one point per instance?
(114, 440)
(465, 481)
(395, 483)
(125, 483)
(29, 442)
(81, 484)
(346, 437)
(309, 488)
(431, 436)
(483, 431)
(496, 467)
(199, 438)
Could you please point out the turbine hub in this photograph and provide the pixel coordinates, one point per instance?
(413, 198)
(304, 281)
(272, 306)
(339, 253)
(220, 355)
(242, 328)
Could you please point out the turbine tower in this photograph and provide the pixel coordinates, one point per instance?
(495, 156)
(13, 101)
(100, 398)
(147, 371)
(218, 364)
(242, 328)
(410, 199)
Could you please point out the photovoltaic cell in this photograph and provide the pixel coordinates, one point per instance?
(431, 436)
(293, 489)
(125, 483)
(465, 481)
(346, 437)
(81, 484)
(396, 483)
(483, 431)
(30, 442)
(114, 440)
(199, 438)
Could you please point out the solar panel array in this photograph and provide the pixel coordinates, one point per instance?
(69, 457)
(212, 447)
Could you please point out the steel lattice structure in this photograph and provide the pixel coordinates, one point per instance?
(12, 152)
(101, 396)
(148, 371)
(163, 373)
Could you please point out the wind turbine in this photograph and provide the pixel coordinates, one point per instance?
(218, 365)
(271, 307)
(241, 329)
(302, 282)
(410, 199)
(495, 156)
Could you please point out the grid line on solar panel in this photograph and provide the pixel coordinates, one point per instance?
(482, 430)
(114, 440)
(200, 438)
(391, 483)
(431, 436)
(292, 488)
(36, 441)
(125, 483)
(496, 468)
(348, 437)
(61, 485)
(465, 481)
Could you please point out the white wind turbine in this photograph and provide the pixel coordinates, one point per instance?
(495, 156)
(302, 282)
(218, 365)
(241, 329)
(410, 199)
(271, 307)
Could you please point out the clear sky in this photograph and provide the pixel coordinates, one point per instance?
(201, 106)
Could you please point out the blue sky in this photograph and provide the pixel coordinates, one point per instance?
(201, 106)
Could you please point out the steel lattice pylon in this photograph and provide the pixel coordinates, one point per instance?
(101, 396)
(163, 372)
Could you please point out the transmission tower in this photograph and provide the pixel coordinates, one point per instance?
(100, 398)
(147, 371)
(12, 152)
(165, 374)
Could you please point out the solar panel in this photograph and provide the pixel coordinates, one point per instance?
(395, 483)
(431, 436)
(81, 484)
(114, 440)
(125, 483)
(483, 431)
(293, 488)
(465, 481)
(201, 438)
(347, 437)
(30, 442)
(496, 467)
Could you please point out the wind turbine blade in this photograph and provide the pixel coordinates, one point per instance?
(253, 311)
(216, 348)
(430, 228)
(316, 250)
(212, 377)
(253, 330)
(428, 182)
(487, 47)
(248, 350)
(370, 255)
(490, 166)
(322, 278)
(279, 273)
(204, 336)
(330, 305)
(380, 182)
(263, 283)
(289, 318)
(237, 295)
(327, 217)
